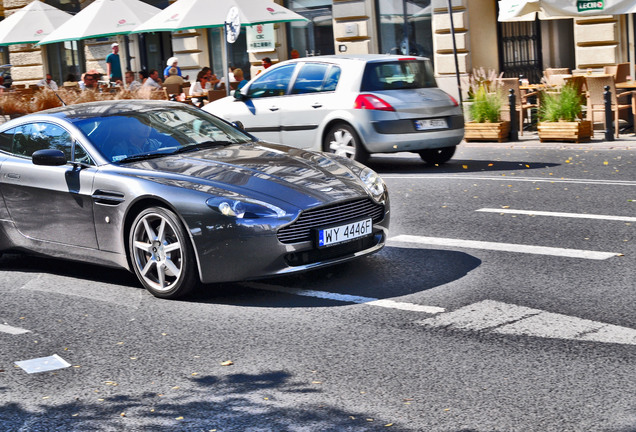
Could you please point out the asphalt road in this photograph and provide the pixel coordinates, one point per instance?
(503, 301)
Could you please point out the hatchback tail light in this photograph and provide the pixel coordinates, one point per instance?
(453, 99)
(368, 101)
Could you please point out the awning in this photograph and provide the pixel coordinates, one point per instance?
(526, 10)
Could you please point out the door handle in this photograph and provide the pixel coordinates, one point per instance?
(13, 176)
(274, 108)
(317, 105)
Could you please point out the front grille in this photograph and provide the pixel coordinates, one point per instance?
(301, 229)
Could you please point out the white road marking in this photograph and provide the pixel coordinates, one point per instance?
(559, 214)
(12, 330)
(508, 319)
(511, 178)
(348, 298)
(504, 247)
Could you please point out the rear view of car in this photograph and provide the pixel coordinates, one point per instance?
(353, 106)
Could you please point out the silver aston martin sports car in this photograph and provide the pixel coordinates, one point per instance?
(179, 197)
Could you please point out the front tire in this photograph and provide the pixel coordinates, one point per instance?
(438, 155)
(161, 254)
(343, 140)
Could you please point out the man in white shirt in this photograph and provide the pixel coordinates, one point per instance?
(153, 80)
(47, 82)
(130, 82)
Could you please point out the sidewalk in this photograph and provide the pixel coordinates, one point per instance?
(530, 139)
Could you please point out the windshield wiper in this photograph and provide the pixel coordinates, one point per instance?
(201, 146)
(142, 156)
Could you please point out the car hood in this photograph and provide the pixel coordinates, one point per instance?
(298, 177)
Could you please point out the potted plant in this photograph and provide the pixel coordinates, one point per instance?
(486, 123)
(560, 117)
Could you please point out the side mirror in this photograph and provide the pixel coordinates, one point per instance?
(239, 96)
(48, 157)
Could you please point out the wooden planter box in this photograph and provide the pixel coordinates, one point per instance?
(487, 131)
(579, 131)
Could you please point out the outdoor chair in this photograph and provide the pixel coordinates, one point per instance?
(522, 102)
(619, 71)
(173, 88)
(596, 100)
(556, 71)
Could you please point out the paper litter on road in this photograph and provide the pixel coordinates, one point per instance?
(43, 364)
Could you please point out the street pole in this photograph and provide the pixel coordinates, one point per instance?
(452, 25)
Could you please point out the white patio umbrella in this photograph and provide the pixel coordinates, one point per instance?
(31, 23)
(103, 18)
(191, 14)
(526, 10)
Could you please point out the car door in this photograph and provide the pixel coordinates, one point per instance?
(260, 111)
(48, 203)
(310, 100)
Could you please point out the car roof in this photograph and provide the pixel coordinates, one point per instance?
(367, 58)
(107, 107)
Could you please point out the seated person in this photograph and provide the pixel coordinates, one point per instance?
(174, 77)
(47, 82)
(134, 140)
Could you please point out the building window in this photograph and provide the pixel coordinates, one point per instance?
(314, 37)
(405, 27)
(237, 52)
(65, 59)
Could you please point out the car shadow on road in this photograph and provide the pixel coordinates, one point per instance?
(386, 165)
(59, 267)
(393, 272)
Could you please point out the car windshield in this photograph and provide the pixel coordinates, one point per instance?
(156, 131)
(396, 75)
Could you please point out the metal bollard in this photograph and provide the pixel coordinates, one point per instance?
(514, 128)
(609, 125)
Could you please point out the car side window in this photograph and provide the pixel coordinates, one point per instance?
(38, 136)
(274, 83)
(6, 138)
(310, 78)
(331, 82)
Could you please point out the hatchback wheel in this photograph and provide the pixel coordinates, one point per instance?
(344, 141)
(437, 156)
(161, 254)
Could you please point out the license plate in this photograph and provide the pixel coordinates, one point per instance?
(428, 124)
(344, 233)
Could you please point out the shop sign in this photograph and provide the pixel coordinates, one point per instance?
(261, 38)
(587, 5)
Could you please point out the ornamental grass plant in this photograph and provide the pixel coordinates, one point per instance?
(486, 107)
(562, 106)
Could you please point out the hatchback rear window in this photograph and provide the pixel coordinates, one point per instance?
(396, 75)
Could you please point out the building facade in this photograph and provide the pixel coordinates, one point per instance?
(417, 27)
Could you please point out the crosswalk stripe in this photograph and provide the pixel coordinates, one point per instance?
(502, 318)
(559, 214)
(509, 179)
(391, 304)
(504, 247)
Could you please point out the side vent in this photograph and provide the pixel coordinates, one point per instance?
(109, 198)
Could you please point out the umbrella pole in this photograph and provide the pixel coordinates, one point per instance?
(226, 63)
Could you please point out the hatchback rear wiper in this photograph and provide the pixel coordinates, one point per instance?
(201, 146)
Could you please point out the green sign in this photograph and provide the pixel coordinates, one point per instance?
(589, 5)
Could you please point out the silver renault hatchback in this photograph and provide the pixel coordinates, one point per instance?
(351, 105)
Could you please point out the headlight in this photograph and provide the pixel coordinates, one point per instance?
(244, 208)
(374, 183)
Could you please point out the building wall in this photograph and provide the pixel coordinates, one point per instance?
(597, 41)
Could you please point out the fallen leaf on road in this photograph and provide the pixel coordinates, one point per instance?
(227, 363)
